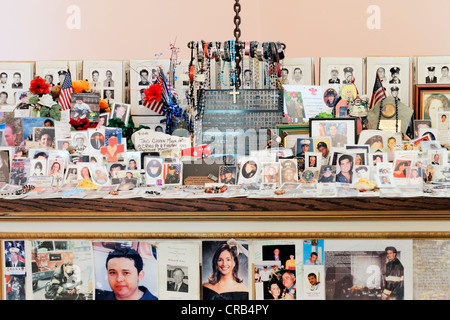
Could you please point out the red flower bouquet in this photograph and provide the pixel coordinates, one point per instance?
(39, 86)
(153, 93)
(79, 124)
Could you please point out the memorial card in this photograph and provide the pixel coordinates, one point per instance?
(178, 271)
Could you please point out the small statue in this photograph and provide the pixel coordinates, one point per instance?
(358, 107)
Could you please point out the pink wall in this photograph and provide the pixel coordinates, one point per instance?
(139, 29)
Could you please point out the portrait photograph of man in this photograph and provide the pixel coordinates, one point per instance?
(125, 270)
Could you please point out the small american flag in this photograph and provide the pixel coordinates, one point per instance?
(378, 92)
(155, 106)
(66, 92)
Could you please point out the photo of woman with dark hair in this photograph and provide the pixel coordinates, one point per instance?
(224, 281)
(400, 169)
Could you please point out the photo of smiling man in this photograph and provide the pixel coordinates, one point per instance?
(125, 271)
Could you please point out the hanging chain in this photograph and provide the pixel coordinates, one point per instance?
(237, 35)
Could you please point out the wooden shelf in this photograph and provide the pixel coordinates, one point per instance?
(225, 209)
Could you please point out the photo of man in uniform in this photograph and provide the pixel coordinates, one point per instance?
(295, 109)
(431, 78)
(395, 75)
(172, 177)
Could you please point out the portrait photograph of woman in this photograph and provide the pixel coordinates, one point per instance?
(225, 270)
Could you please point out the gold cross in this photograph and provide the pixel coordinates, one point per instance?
(234, 93)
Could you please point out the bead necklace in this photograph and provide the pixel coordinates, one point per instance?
(266, 53)
(232, 63)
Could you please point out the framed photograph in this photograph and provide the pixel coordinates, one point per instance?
(418, 124)
(345, 169)
(103, 119)
(63, 144)
(322, 145)
(414, 176)
(121, 111)
(437, 157)
(304, 145)
(342, 131)
(133, 163)
(248, 170)
(38, 167)
(293, 132)
(84, 171)
(431, 99)
(377, 158)
(14, 77)
(142, 75)
(45, 136)
(154, 170)
(313, 160)
(394, 74)
(99, 175)
(228, 174)
(400, 166)
(271, 172)
(71, 175)
(54, 72)
(56, 168)
(80, 141)
(432, 70)
(85, 106)
(362, 172)
(289, 171)
(327, 174)
(96, 140)
(335, 72)
(173, 172)
(299, 71)
(13, 129)
(106, 79)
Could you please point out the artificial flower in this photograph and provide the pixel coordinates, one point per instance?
(104, 106)
(153, 93)
(46, 100)
(39, 86)
(79, 124)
